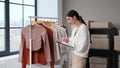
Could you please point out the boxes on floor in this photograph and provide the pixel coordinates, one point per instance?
(98, 60)
(119, 61)
(98, 66)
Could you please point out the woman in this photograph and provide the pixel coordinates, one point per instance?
(79, 40)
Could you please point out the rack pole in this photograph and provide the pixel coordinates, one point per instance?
(30, 43)
(43, 17)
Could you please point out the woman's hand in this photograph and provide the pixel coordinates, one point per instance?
(63, 40)
(66, 39)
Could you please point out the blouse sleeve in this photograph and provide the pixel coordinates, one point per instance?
(81, 43)
(71, 42)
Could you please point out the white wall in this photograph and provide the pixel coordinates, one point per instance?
(60, 10)
(47, 8)
(99, 10)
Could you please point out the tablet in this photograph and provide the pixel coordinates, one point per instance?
(66, 44)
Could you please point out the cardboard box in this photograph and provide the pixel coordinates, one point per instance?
(119, 58)
(100, 43)
(119, 32)
(117, 43)
(98, 60)
(98, 66)
(99, 36)
(100, 25)
(87, 23)
(119, 61)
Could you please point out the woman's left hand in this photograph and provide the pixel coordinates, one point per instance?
(63, 40)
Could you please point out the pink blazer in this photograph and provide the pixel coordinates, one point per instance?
(39, 34)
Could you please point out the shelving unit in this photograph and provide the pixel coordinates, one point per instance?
(116, 59)
(105, 53)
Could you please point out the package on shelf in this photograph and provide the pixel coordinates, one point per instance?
(100, 43)
(99, 36)
(98, 60)
(117, 43)
(119, 58)
(119, 61)
(97, 24)
(98, 66)
(87, 23)
(119, 32)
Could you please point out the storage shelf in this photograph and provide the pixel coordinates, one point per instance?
(106, 53)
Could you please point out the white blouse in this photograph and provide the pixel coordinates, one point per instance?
(80, 41)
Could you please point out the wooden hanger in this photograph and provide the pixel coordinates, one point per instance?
(33, 22)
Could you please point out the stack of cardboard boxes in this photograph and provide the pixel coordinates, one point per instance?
(117, 46)
(98, 62)
(99, 41)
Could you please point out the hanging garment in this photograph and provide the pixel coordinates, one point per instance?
(61, 34)
(39, 36)
(56, 47)
(38, 57)
(50, 37)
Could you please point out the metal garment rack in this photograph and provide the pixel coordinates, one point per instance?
(35, 17)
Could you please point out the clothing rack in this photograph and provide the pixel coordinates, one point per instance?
(36, 17)
(43, 17)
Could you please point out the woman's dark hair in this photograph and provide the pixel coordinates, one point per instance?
(73, 13)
